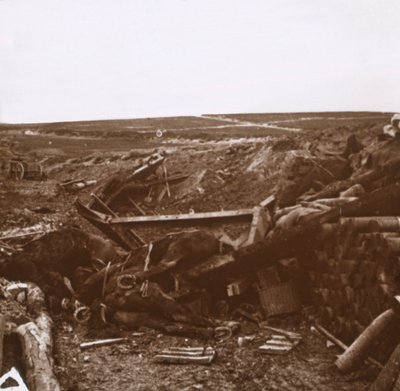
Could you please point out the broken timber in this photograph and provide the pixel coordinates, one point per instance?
(126, 236)
(186, 356)
(108, 220)
(152, 163)
(290, 243)
(102, 342)
(125, 239)
(120, 229)
(242, 215)
(268, 250)
(145, 186)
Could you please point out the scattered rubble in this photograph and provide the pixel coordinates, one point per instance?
(326, 234)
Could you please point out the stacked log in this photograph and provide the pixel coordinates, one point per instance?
(354, 274)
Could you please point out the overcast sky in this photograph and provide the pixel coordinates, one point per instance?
(96, 59)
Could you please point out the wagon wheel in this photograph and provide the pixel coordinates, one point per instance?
(19, 171)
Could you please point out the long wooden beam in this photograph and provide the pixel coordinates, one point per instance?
(241, 215)
(99, 220)
(109, 224)
(152, 163)
(107, 209)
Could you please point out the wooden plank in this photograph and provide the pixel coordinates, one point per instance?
(99, 220)
(224, 216)
(16, 236)
(118, 230)
(183, 358)
(152, 163)
(102, 342)
(189, 352)
(166, 180)
(138, 208)
(260, 225)
(268, 201)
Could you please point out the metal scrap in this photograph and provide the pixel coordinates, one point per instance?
(189, 355)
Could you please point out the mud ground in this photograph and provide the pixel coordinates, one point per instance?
(239, 164)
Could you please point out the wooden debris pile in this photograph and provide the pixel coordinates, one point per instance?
(340, 234)
(149, 181)
(276, 235)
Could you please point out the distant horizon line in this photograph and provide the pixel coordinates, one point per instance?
(192, 115)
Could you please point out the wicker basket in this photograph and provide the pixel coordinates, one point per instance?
(279, 299)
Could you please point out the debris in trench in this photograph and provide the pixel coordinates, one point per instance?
(77, 184)
(116, 227)
(148, 166)
(178, 355)
(279, 299)
(64, 253)
(124, 186)
(352, 146)
(302, 171)
(280, 344)
(242, 341)
(42, 209)
(102, 342)
(16, 233)
(290, 335)
(154, 286)
(238, 287)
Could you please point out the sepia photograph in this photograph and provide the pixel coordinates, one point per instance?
(199, 195)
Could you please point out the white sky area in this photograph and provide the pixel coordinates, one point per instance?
(99, 59)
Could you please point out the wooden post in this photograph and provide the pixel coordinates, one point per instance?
(166, 180)
(140, 210)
